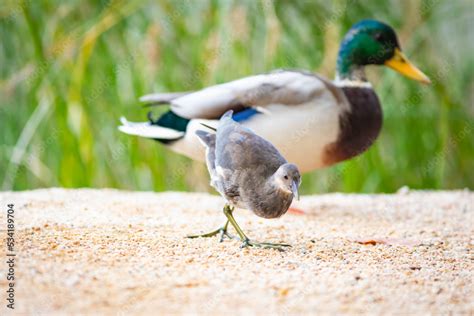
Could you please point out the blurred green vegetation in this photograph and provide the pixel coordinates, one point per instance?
(70, 69)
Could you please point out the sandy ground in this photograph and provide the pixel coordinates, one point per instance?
(116, 252)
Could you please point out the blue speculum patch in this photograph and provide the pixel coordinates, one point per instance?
(244, 115)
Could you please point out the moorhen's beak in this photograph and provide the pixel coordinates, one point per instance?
(294, 189)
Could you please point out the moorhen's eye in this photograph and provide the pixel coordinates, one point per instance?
(286, 177)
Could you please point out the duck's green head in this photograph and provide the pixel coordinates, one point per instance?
(371, 42)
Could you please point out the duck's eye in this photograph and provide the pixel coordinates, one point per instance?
(286, 177)
(378, 36)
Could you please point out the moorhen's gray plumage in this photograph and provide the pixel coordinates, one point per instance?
(250, 173)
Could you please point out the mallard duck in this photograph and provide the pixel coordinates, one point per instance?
(313, 121)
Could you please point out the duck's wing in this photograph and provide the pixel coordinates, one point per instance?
(284, 87)
(161, 98)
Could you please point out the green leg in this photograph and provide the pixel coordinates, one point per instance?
(222, 231)
(245, 240)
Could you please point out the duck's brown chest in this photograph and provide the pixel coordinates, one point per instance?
(359, 127)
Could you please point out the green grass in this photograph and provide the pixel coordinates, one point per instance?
(70, 69)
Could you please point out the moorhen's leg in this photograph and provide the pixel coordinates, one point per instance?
(246, 242)
(222, 231)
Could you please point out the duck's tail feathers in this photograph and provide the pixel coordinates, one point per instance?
(148, 130)
(161, 98)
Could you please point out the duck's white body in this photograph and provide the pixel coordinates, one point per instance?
(300, 113)
(289, 130)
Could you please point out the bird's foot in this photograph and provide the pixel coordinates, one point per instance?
(266, 245)
(220, 231)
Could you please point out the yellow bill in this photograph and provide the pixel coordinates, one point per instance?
(399, 62)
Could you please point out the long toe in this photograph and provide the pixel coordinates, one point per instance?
(265, 245)
(210, 234)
